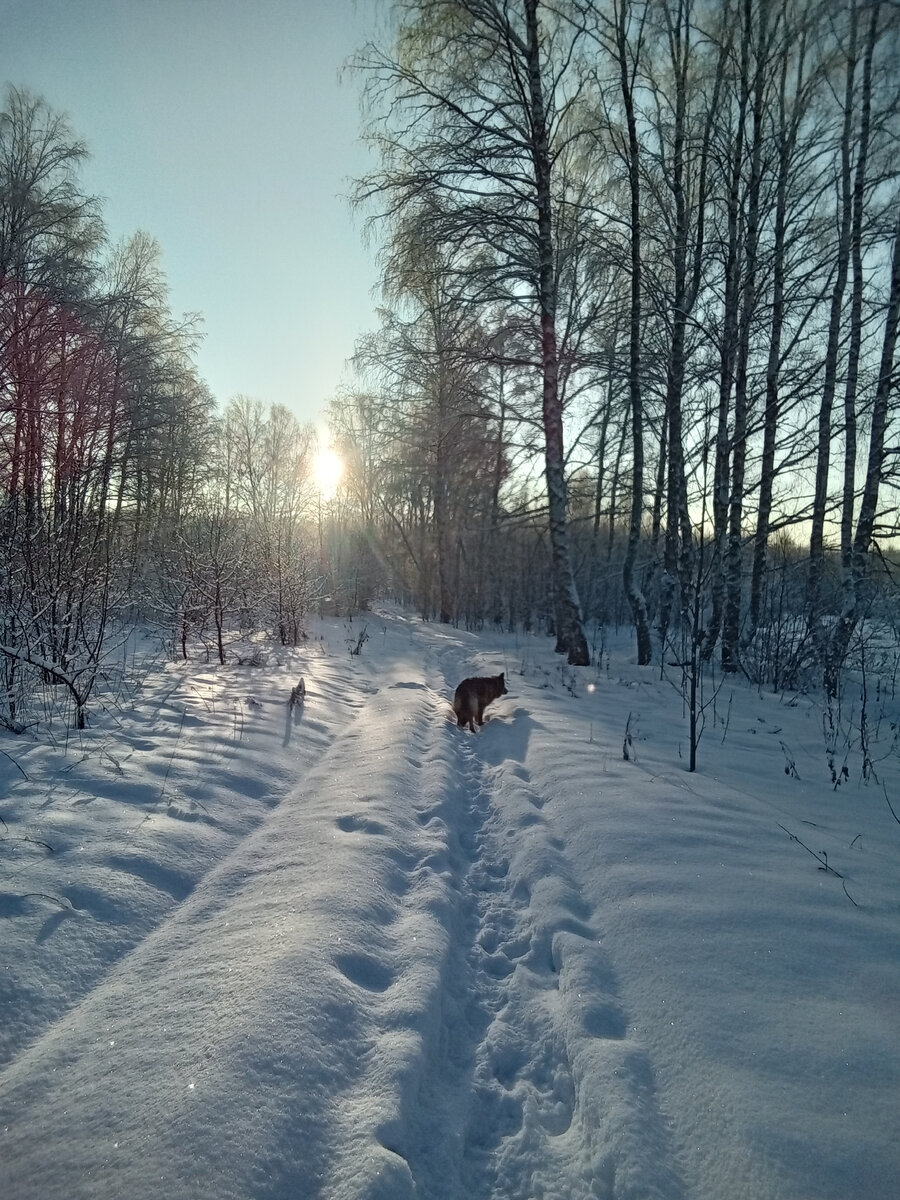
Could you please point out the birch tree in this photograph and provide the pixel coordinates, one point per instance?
(617, 31)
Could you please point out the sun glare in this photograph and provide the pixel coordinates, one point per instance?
(328, 470)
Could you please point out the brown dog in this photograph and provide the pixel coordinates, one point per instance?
(474, 695)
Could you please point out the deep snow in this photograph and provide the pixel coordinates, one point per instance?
(352, 951)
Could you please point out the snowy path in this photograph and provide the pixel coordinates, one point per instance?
(376, 994)
(507, 966)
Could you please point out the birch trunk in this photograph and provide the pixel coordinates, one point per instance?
(727, 360)
(570, 639)
(856, 303)
(823, 452)
(788, 122)
(633, 591)
(731, 620)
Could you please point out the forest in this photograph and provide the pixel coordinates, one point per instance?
(635, 362)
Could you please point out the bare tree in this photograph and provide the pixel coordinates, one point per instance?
(482, 92)
(620, 37)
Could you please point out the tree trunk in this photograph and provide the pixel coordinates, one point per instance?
(731, 619)
(679, 552)
(570, 637)
(600, 488)
(727, 359)
(632, 589)
(856, 303)
(823, 454)
(853, 590)
(787, 140)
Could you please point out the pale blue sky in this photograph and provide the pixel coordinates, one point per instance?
(222, 129)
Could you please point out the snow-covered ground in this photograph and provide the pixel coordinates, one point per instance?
(351, 951)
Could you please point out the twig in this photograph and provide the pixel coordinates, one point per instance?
(54, 899)
(822, 860)
(890, 806)
(15, 764)
(628, 743)
(26, 838)
(790, 767)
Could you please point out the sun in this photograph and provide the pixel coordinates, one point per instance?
(327, 470)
